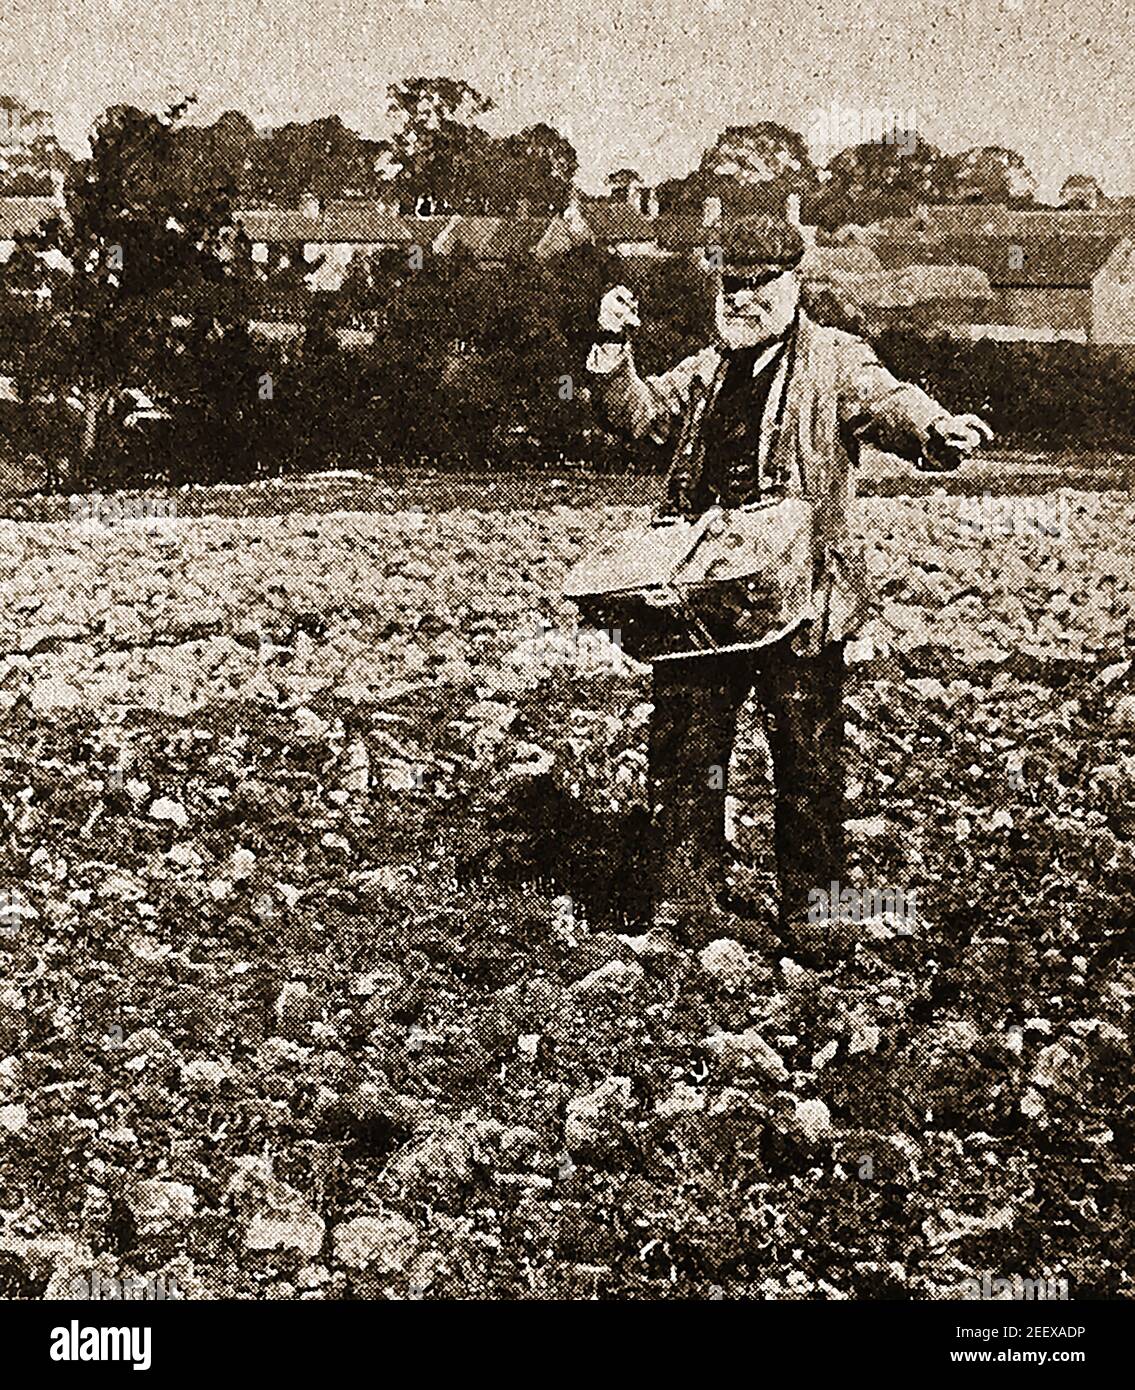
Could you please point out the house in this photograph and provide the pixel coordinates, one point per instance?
(688, 232)
(937, 222)
(1046, 288)
(23, 216)
(277, 235)
(624, 225)
(838, 264)
(31, 162)
(626, 187)
(501, 240)
(922, 297)
(425, 228)
(326, 238)
(350, 230)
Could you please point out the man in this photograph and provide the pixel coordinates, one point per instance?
(780, 406)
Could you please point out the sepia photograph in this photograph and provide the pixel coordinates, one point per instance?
(567, 667)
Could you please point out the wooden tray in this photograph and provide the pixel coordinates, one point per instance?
(729, 580)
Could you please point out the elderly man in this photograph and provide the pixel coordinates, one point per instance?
(779, 407)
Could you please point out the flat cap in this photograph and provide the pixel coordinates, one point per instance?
(761, 240)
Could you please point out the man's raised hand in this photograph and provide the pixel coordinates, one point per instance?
(618, 310)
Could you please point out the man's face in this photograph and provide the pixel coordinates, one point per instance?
(755, 306)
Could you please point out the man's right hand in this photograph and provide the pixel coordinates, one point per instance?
(618, 310)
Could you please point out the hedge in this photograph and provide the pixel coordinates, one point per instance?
(483, 367)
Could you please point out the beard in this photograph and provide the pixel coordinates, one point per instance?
(744, 331)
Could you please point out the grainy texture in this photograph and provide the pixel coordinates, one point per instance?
(374, 924)
(247, 1006)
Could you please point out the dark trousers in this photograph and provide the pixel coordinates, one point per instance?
(696, 704)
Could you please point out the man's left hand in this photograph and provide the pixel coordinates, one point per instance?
(953, 439)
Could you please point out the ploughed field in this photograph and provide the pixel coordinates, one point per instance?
(322, 970)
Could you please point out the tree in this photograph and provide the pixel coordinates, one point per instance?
(437, 143)
(751, 168)
(992, 174)
(764, 153)
(215, 157)
(228, 388)
(537, 164)
(107, 276)
(1081, 191)
(324, 157)
(444, 158)
(882, 179)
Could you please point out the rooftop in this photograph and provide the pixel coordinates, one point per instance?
(686, 231)
(614, 220)
(497, 238)
(939, 220)
(1011, 261)
(839, 262)
(922, 284)
(20, 216)
(344, 222)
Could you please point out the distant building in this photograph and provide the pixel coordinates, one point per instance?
(425, 228)
(350, 230)
(623, 223)
(23, 216)
(923, 298)
(626, 187)
(613, 224)
(689, 232)
(838, 264)
(1079, 288)
(326, 238)
(31, 160)
(501, 240)
(935, 222)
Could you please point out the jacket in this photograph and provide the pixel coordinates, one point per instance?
(830, 396)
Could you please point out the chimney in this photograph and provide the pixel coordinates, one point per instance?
(711, 212)
(309, 205)
(792, 216)
(573, 216)
(651, 209)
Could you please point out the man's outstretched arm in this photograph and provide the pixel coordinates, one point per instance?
(900, 418)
